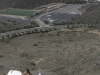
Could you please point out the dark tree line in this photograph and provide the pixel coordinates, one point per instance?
(24, 4)
(30, 4)
(73, 1)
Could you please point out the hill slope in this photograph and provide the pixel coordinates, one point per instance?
(91, 15)
(63, 52)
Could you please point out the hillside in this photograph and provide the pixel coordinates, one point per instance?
(74, 51)
(7, 25)
(63, 52)
(11, 25)
(91, 15)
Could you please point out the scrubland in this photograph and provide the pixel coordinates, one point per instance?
(64, 52)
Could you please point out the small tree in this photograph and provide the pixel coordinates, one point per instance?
(36, 30)
(3, 37)
(14, 35)
(7, 36)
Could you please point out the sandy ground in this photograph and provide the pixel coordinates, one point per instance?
(14, 16)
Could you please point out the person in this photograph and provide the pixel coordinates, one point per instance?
(27, 72)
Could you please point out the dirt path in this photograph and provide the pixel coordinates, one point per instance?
(95, 32)
(17, 47)
(39, 60)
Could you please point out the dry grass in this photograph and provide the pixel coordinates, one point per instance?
(63, 52)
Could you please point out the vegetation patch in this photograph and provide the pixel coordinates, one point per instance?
(18, 12)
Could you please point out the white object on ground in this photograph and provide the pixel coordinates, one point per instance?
(39, 74)
(49, 15)
(14, 72)
(73, 12)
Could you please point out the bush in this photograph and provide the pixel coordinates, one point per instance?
(35, 45)
(14, 35)
(6, 40)
(1, 56)
(24, 55)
